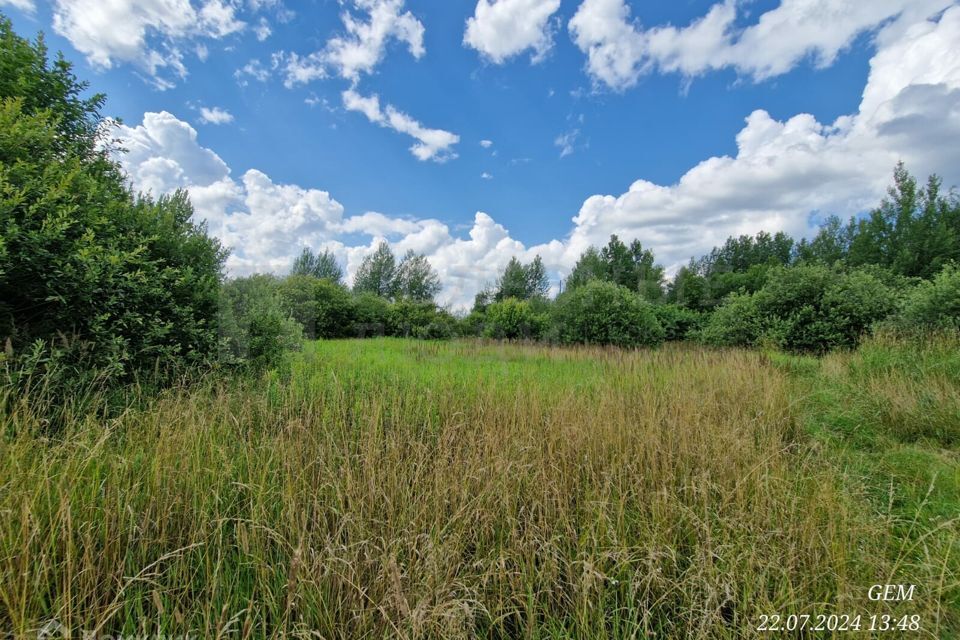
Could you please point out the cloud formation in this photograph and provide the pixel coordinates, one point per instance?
(361, 47)
(216, 115)
(147, 33)
(784, 174)
(619, 50)
(432, 144)
(502, 29)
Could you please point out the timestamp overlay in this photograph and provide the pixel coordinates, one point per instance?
(885, 610)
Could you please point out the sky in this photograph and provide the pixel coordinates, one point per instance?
(473, 132)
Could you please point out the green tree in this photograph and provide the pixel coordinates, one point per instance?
(377, 273)
(322, 265)
(323, 308)
(605, 313)
(933, 304)
(689, 289)
(513, 319)
(631, 266)
(513, 282)
(256, 329)
(538, 284)
(415, 279)
(107, 281)
(590, 266)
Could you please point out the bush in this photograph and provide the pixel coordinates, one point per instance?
(804, 308)
(513, 319)
(933, 304)
(735, 323)
(256, 330)
(371, 313)
(679, 323)
(323, 308)
(107, 282)
(604, 313)
(443, 327)
(408, 318)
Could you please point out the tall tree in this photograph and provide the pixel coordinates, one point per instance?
(648, 276)
(589, 267)
(521, 281)
(538, 284)
(512, 282)
(322, 265)
(415, 279)
(618, 263)
(377, 272)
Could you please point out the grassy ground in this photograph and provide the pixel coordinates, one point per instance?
(391, 488)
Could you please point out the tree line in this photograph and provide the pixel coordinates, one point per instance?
(98, 282)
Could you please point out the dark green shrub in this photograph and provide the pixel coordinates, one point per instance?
(604, 313)
(678, 322)
(108, 282)
(255, 327)
(407, 318)
(735, 323)
(804, 308)
(933, 304)
(371, 314)
(513, 319)
(443, 327)
(472, 325)
(323, 308)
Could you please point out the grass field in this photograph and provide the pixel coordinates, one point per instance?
(390, 488)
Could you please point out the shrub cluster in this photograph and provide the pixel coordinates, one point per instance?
(803, 308)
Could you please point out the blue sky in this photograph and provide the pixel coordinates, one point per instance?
(675, 122)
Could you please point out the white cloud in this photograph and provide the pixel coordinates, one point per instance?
(783, 172)
(486, 144)
(567, 142)
(501, 29)
(253, 69)
(486, 175)
(263, 30)
(27, 6)
(215, 115)
(432, 144)
(146, 33)
(361, 48)
(619, 50)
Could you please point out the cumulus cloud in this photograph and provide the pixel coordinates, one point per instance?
(619, 50)
(147, 33)
(362, 46)
(502, 29)
(486, 144)
(432, 144)
(216, 115)
(783, 173)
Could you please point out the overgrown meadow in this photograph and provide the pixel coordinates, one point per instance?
(400, 488)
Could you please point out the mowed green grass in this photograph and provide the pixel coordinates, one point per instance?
(391, 488)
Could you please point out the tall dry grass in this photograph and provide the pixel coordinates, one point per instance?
(398, 489)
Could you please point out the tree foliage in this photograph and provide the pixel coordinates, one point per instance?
(520, 281)
(415, 279)
(810, 308)
(630, 266)
(106, 280)
(513, 319)
(606, 313)
(322, 265)
(376, 273)
(256, 328)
